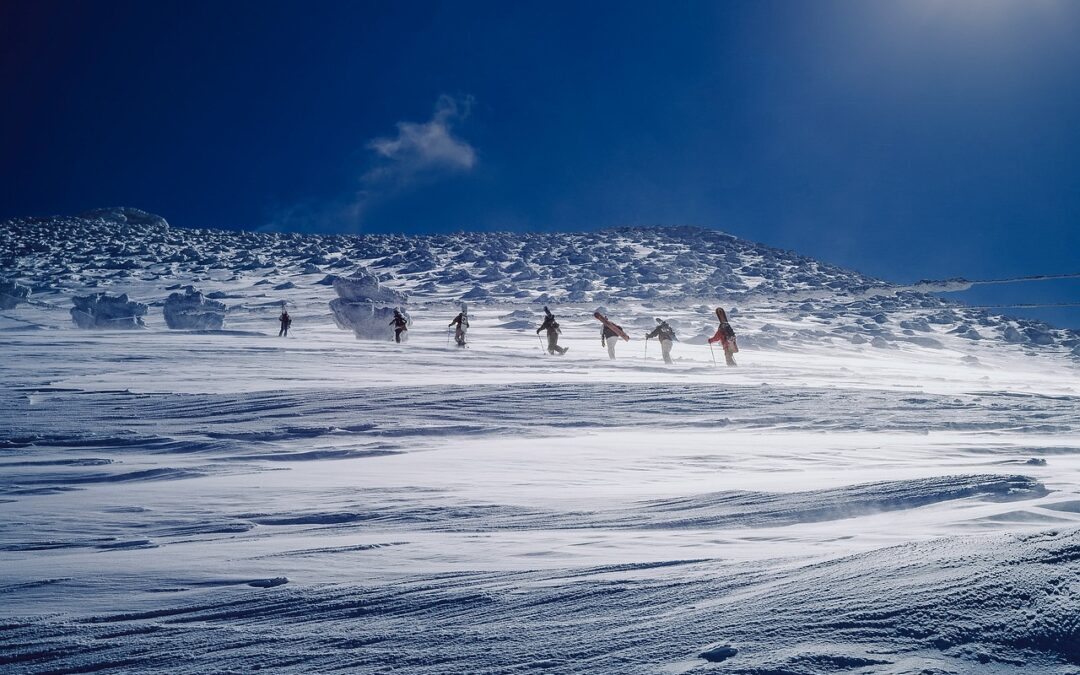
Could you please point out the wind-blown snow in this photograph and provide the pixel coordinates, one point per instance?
(886, 483)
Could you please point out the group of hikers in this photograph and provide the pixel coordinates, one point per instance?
(610, 333)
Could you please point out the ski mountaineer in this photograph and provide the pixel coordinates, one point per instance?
(610, 333)
(400, 324)
(725, 335)
(462, 323)
(667, 335)
(286, 321)
(552, 328)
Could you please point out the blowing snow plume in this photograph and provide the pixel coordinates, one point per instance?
(419, 153)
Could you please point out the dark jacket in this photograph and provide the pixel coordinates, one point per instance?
(662, 331)
(550, 325)
(399, 322)
(460, 320)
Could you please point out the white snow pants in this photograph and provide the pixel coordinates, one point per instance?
(611, 347)
(665, 349)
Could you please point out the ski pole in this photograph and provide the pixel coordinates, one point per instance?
(448, 336)
(541, 341)
(712, 354)
(646, 349)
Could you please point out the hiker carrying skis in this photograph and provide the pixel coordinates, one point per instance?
(725, 335)
(286, 321)
(462, 323)
(400, 324)
(609, 333)
(667, 335)
(553, 331)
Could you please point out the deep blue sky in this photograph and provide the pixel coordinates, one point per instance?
(919, 139)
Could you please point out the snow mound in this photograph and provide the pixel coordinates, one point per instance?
(11, 294)
(191, 310)
(102, 310)
(365, 306)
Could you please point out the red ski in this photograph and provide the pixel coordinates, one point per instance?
(613, 326)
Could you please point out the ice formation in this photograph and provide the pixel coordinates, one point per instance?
(191, 310)
(12, 293)
(365, 306)
(101, 310)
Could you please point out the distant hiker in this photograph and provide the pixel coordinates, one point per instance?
(667, 335)
(725, 335)
(286, 321)
(609, 333)
(553, 331)
(400, 324)
(462, 323)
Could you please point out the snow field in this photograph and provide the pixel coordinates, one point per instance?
(225, 500)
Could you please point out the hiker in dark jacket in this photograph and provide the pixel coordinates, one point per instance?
(725, 335)
(667, 336)
(553, 331)
(400, 324)
(286, 321)
(462, 323)
(609, 333)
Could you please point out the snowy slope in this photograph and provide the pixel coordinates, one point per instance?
(886, 483)
(126, 250)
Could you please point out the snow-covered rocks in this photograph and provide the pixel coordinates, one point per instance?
(101, 310)
(365, 306)
(12, 293)
(362, 286)
(191, 310)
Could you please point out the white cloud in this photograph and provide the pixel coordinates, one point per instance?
(421, 152)
(425, 148)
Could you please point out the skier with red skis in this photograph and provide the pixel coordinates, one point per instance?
(609, 333)
(725, 335)
(553, 331)
(667, 336)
